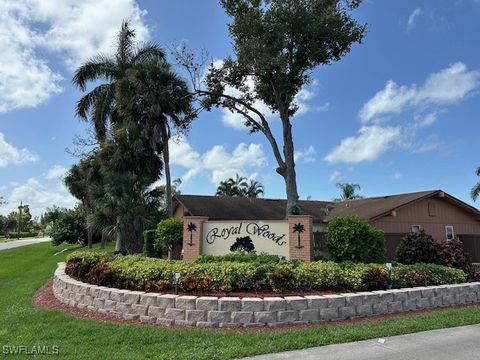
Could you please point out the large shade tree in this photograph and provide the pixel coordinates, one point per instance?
(277, 45)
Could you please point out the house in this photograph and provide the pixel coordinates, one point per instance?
(436, 212)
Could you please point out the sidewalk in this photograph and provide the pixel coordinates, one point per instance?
(17, 243)
(460, 343)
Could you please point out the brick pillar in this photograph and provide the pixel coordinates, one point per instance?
(192, 237)
(300, 225)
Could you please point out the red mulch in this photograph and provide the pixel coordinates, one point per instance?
(44, 298)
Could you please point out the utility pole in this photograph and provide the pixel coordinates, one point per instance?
(20, 208)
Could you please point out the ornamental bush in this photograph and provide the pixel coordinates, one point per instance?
(351, 238)
(452, 254)
(169, 235)
(70, 227)
(138, 272)
(149, 239)
(418, 248)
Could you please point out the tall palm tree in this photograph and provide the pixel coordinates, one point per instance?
(99, 105)
(254, 189)
(156, 98)
(475, 193)
(348, 191)
(233, 187)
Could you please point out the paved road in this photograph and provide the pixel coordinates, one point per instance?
(18, 243)
(460, 343)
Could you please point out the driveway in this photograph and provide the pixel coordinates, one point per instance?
(460, 343)
(18, 243)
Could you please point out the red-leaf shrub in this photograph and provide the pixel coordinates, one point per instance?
(453, 255)
(418, 248)
(416, 278)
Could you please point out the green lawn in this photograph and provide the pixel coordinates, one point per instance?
(24, 270)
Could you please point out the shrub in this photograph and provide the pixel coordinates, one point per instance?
(418, 248)
(22, 234)
(169, 234)
(241, 256)
(354, 239)
(416, 278)
(70, 227)
(283, 278)
(452, 254)
(437, 274)
(375, 278)
(149, 249)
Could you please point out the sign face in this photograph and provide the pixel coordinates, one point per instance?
(223, 237)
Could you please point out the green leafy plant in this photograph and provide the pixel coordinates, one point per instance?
(452, 254)
(169, 235)
(149, 239)
(354, 239)
(418, 248)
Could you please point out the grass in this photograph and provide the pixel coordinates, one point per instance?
(24, 270)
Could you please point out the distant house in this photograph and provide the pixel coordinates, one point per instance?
(438, 213)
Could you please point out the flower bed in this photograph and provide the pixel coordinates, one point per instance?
(248, 273)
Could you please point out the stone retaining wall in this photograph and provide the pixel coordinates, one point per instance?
(209, 311)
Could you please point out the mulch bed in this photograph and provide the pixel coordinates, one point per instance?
(45, 299)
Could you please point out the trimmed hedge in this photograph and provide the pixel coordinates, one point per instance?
(137, 272)
(23, 234)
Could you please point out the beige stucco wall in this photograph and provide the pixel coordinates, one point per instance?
(445, 212)
(267, 236)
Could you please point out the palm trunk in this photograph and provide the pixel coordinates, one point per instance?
(89, 228)
(118, 240)
(166, 164)
(103, 241)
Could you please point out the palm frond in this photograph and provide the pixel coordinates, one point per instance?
(100, 66)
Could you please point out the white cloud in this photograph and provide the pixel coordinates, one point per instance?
(56, 172)
(305, 156)
(73, 30)
(426, 147)
(38, 197)
(413, 17)
(368, 145)
(218, 163)
(12, 155)
(396, 175)
(335, 176)
(448, 86)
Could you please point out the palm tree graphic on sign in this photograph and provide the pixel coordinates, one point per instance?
(191, 228)
(298, 228)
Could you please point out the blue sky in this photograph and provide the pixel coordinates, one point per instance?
(397, 114)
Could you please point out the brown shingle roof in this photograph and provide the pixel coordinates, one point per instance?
(239, 208)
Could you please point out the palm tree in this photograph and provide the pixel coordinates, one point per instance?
(254, 189)
(156, 98)
(233, 187)
(348, 191)
(476, 189)
(99, 105)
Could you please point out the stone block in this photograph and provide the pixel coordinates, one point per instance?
(399, 295)
(219, 316)
(131, 316)
(353, 299)
(164, 322)
(205, 324)
(98, 303)
(139, 309)
(156, 311)
(252, 304)
(110, 305)
(364, 310)
(395, 306)
(117, 295)
(274, 303)
(328, 314)
(185, 323)
(316, 301)
(166, 301)
(460, 298)
(335, 301)
(380, 308)
(242, 317)
(104, 293)
(196, 315)
(208, 303)
(174, 314)
(415, 294)
(265, 317)
(131, 297)
(186, 302)
(148, 319)
(436, 301)
(288, 316)
(87, 300)
(346, 312)
(230, 304)
(148, 299)
(369, 298)
(428, 292)
(123, 308)
(384, 295)
(409, 305)
(423, 303)
(296, 303)
(471, 297)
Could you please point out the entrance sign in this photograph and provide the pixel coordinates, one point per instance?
(223, 237)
